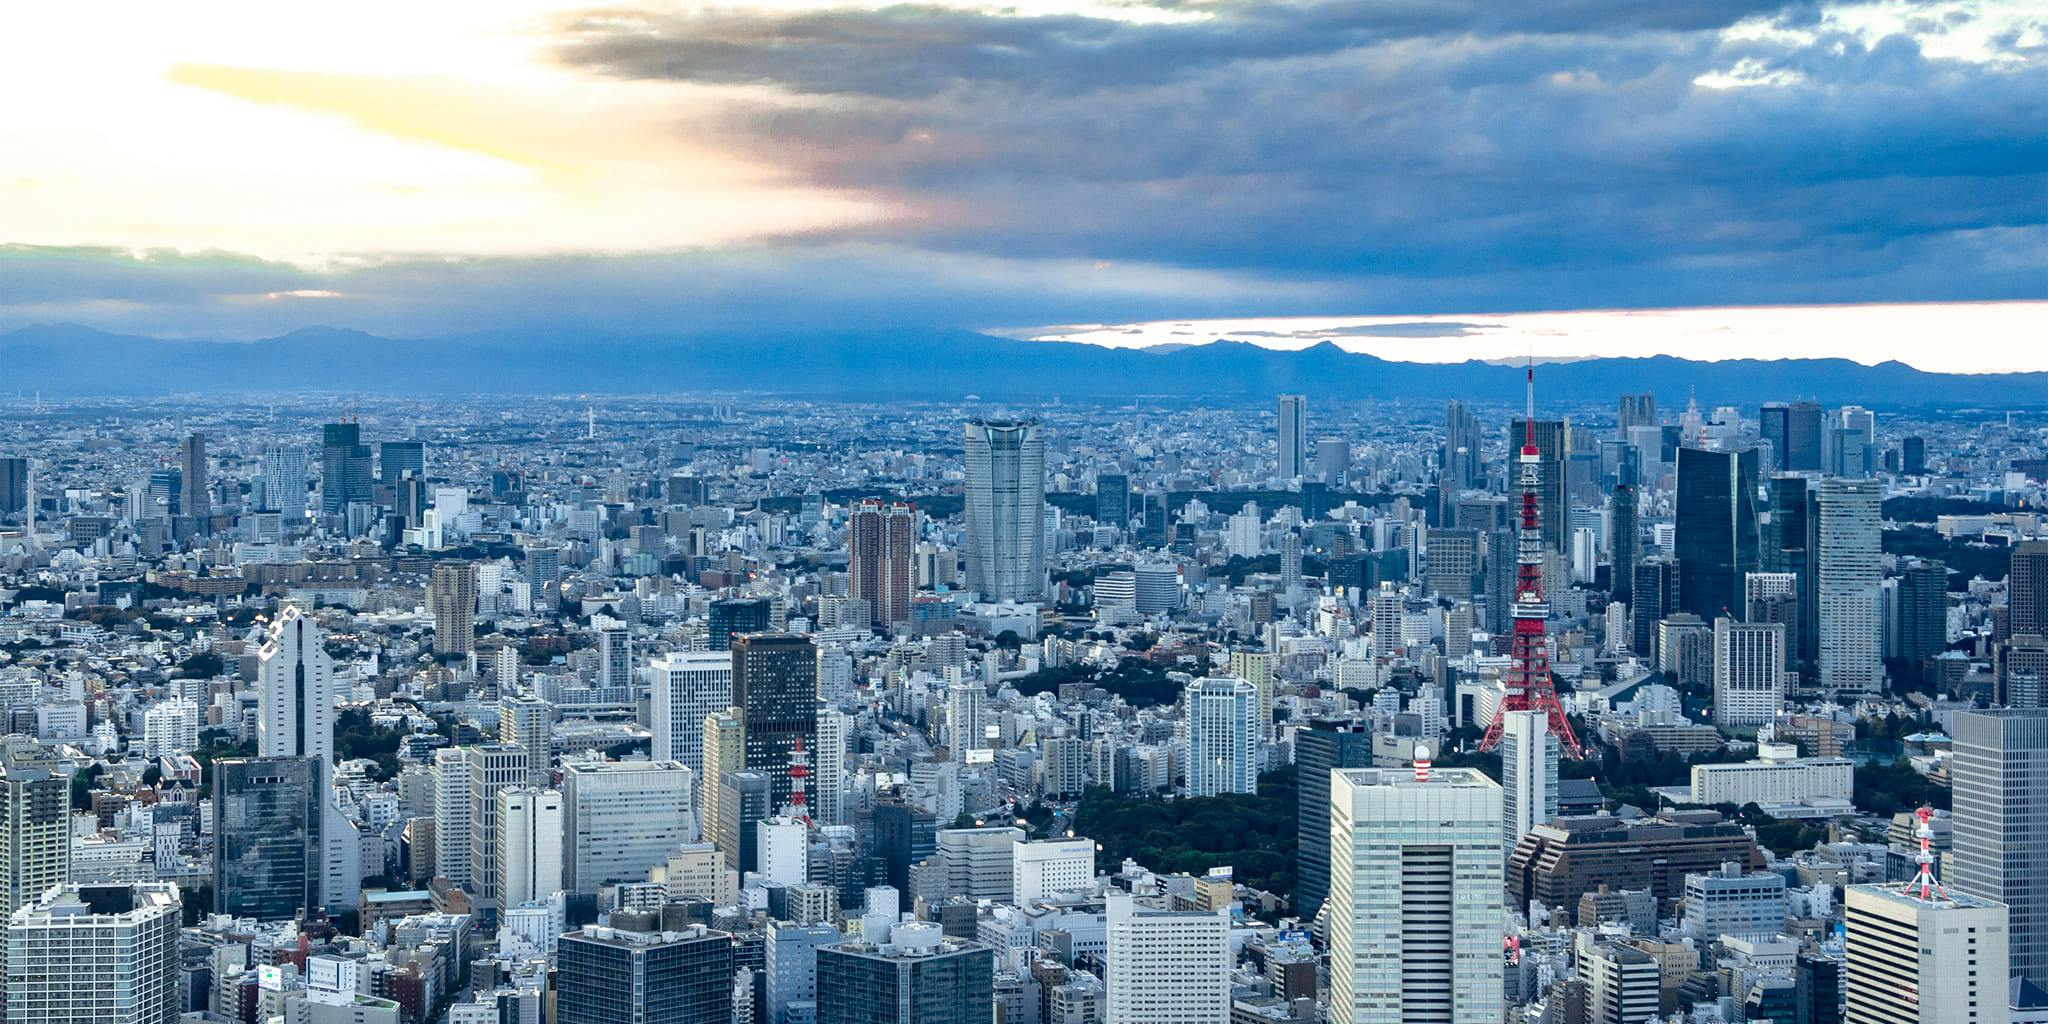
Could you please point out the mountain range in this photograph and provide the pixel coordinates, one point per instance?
(930, 363)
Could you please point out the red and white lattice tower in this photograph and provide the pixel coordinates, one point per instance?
(799, 770)
(1529, 687)
(1924, 882)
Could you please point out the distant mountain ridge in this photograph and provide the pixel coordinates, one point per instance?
(934, 363)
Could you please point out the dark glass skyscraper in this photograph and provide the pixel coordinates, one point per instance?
(1551, 451)
(396, 459)
(344, 467)
(1923, 613)
(266, 855)
(1654, 595)
(1625, 541)
(1113, 499)
(1327, 743)
(13, 484)
(734, 616)
(946, 982)
(621, 976)
(775, 684)
(1716, 540)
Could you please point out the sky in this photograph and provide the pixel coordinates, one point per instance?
(1858, 179)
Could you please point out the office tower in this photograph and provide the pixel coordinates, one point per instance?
(1528, 774)
(791, 953)
(452, 592)
(1460, 461)
(621, 976)
(1847, 576)
(2027, 590)
(1621, 984)
(1817, 989)
(622, 818)
(397, 460)
(1222, 737)
(904, 835)
(35, 823)
(1293, 431)
(2000, 773)
(295, 690)
(913, 973)
(530, 844)
(344, 467)
(966, 713)
(451, 814)
(193, 496)
(1168, 967)
(1552, 448)
(105, 954)
(734, 616)
(284, 482)
(1113, 499)
(492, 767)
(1453, 561)
(1324, 744)
(1624, 543)
(1922, 612)
(743, 801)
(614, 659)
(828, 769)
(1048, 867)
(1256, 668)
(1800, 449)
(1635, 411)
(775, 686)
(1915, 960)
(268, 860)
(1773, 425)
(1333, 464)
(1716, 538)
(1749, 672)
(724, 752)
(543, 567)
(881, 545)
(1729, 902)
(978, 863)
(13, 485)
(527, 723)
(685, 688)
(1005, 509)
(1415, 896)
(1913, 456)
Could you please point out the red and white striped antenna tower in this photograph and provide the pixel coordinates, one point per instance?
(799, 770)
(1529, 686)
(1930, 889)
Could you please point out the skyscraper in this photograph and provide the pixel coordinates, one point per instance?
(1635, 411)
(1415, 897)
(1654, 595)
(397, 460)
(1915, 960)
(1005, 509)
(2027, 590)
(1222, 738)
(622, 818)
(1324, 744)
(1293, 428)
(724, 753)
(1164, 966)
(775, 686)
(452, 592)
(1716, 539)
(917, 974)
(685, 687)
(1552, 447)
(1113, 499)
(1801, 448)
(344, 467)
(35, 822)
(1624, 542)
(194, 497)
(107, 954)
(284, 481)
(451, 814)
(1923, 612)
(1749, 672)
(1528, 774)
(733, 616)
(610, 975)
(530, 844)
(268, 850)
(2000, 773)
(1847, 580)
(1460, 460)
(881, 543)
(295, 690)
(492, 767)
(13, 485)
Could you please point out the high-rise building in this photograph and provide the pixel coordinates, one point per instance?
(1528, 774)
(621, 818)
(1049, 867)
(1293, 430)
(881, 543)
(979, 863)
(452, 592)
(1624, 542)
(828, 768)
(1922, 612)
(733, 616)
(1460, 460)
(1913, 456)
(527, 722)
(966, 714)
(1716, 536)
(1749, 672)
(914, 974)
(452, 769)
(1552, 450)
(268, 849)
(295, 690)
(684, 688)
(1113, 499)
(284, 482)
(35, 822)
(775, 686)
(1817, 989)
(194, 496)
(1728, 902)
(344, 467)
(493, 767)
(530, 844)
(2000, 852)
(397, 460)
(607, 975)
(1848, 576)
(723, 753)
(1005, 509)
(106, 954)
(1800, 428)
(1333, 463)
(1222, 737)
(1452, 563)
(1325, 743)
(13, 485)
(743, 802)
(1621, 984)
(2027, 590)
(1166, 966)
(614, 659)
(1635, 411)
(1415, 897)
(1915, 960)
